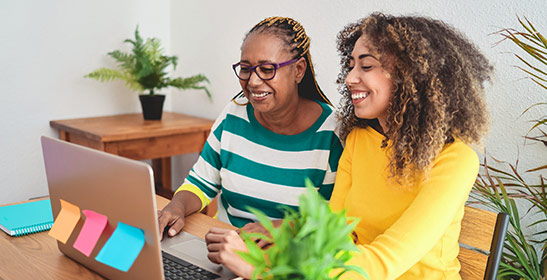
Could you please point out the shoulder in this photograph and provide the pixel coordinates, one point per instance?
(233, 110)
(461, 151)
(328, 119)
(458, 157)
(358, 134)
(230, 113)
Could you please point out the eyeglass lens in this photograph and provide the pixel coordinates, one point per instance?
(264, 71)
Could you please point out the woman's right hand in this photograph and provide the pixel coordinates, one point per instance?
(181, 205)
(171, 216)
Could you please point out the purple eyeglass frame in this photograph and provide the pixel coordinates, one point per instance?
(253, 68)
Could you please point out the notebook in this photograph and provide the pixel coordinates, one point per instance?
(123, 190)
(26, 218)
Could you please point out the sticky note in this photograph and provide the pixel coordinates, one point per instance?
(122, 248)
(65, 222)
(91, 231)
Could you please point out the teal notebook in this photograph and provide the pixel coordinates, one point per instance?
(26, 218)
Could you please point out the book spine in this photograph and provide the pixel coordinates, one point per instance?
(33, 229)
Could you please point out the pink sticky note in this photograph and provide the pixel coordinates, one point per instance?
(91, 232)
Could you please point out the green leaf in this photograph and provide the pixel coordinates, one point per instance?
(309, 244)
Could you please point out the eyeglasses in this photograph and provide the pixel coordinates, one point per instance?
(265, 71)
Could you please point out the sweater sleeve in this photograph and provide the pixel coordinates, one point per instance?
(439, 200)
(330, 175)
(343, 177)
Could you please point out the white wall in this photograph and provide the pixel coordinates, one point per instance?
(47, 46)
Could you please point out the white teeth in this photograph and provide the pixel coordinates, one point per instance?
(359, 95)
(259, 95)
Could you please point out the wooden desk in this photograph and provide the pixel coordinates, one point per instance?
(36, 256)
(131, 136)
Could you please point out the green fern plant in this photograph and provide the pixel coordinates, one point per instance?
(145, 68)
(313, 243)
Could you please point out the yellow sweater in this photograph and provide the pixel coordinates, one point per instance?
(404, 234)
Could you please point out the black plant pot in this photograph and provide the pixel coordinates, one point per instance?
(152, 106)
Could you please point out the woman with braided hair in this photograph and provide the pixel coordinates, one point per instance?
(412, 102)
(278, 131)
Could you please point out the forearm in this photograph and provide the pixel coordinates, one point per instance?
(187, 201)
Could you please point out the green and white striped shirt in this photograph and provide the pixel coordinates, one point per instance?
(251, 166)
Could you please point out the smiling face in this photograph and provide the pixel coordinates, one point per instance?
(370, 84)
(276, 94)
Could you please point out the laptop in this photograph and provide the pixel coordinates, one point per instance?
(123, 190)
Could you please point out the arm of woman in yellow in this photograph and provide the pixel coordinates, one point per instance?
(441, 198)
(343, 178)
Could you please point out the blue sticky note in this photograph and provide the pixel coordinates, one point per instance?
(122, 248)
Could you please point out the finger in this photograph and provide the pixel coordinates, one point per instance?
(176, 226)
(214, 237)
(214, 257)
(210, 237)
(251, 227)
(262, 243)
(163, 220)
(255, 227)
(218, 230)
(214, 247)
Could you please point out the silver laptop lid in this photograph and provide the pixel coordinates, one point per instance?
(119, 188)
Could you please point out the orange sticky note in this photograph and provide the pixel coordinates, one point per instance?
(91, 232)
(65, 222)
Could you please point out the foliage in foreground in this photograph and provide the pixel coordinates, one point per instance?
(313, 243)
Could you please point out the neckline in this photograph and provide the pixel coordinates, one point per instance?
(310, 130)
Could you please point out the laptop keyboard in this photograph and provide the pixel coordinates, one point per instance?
(175, 268)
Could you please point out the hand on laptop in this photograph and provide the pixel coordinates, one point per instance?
(222, 245)
(258, 227)
(183, 204)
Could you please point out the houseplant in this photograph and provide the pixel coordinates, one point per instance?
(145, 69)
(501, 189)
(313, 243)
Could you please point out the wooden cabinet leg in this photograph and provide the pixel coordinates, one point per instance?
(162, 176)
(63, 135)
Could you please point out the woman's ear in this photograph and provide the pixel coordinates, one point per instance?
(301, 66)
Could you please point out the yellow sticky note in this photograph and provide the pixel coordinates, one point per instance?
(65, 222)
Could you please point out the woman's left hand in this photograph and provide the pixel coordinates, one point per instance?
(259, 228)
(222, 245)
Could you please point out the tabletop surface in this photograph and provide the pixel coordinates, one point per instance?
(132, 126)
(36, 256)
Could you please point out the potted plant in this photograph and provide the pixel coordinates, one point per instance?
(145, 70)
(311, 243)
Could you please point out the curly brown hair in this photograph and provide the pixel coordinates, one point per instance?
(438, 76)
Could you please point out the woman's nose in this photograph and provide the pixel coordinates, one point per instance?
(351, 78)
(254, 79)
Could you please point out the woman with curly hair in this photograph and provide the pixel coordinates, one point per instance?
(412, 103)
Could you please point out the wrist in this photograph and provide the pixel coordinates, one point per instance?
(187, 202)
